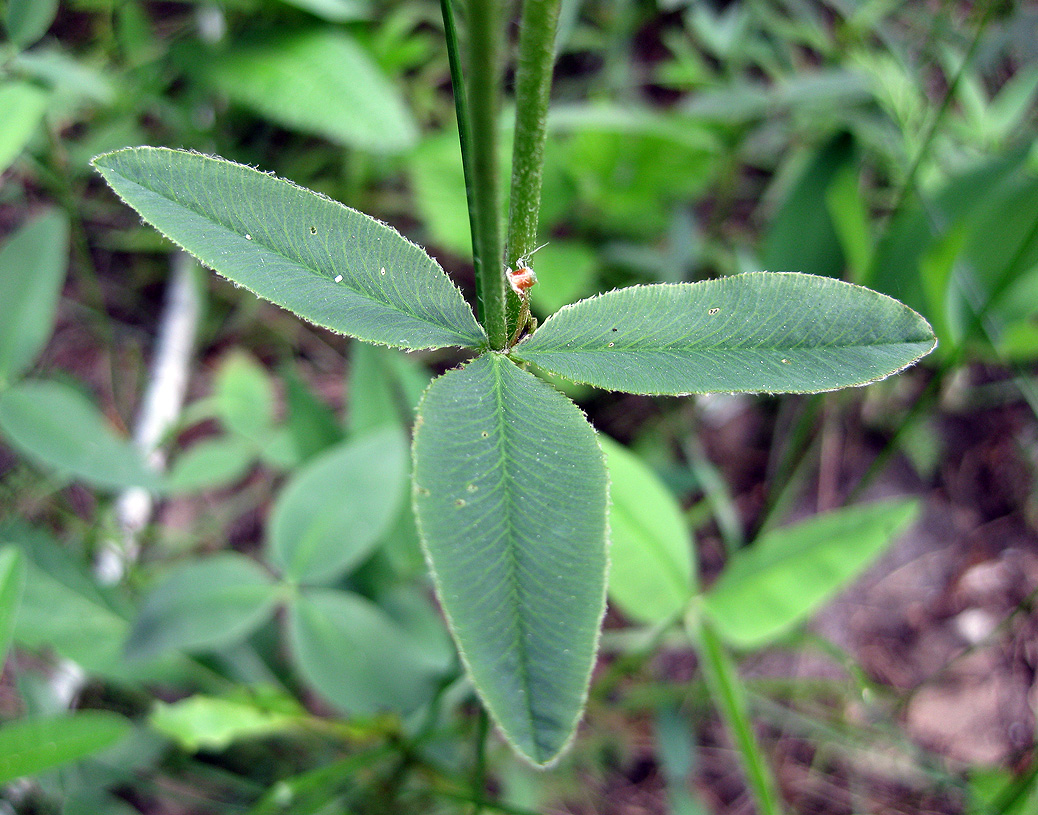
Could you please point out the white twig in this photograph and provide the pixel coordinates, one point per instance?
(159, 411)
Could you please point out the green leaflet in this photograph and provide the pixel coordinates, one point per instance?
(329, 264)
(28, 20)
(317, 81)
(32, 270)
(29, 746)
(12, 578)
(203, 605)
(58, 427)
(757, 332)
(358, 657)
(651, 570)
(510, 493)
(788, 573)
(202, 722)
(333, 511)
(23, 106)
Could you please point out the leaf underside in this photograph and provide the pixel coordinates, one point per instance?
(510, 493)
(329, 264)
(774, 332)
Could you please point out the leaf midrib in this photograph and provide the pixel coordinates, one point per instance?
(513, 569)
(283, 256)
(604, 348)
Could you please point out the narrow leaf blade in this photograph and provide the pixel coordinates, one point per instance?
(31, 746)
(790, 572)
(327, 263)
(758, 332)
(511, 497)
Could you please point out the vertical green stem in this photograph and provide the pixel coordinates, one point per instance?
(461, 108)
(538, 24)
(729, 696)
(484, 87)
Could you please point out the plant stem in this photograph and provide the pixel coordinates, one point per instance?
(538, 25)
(483, 91)
(461, 108)
(730, 697)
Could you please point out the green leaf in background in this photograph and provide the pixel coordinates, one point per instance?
(565, 271)
(329, 264)
(510, 493)
(628, 165)
(28, 20)
(32, 270)
(788, 573)
(210, 723)
(356, 656)
(58, 427)
(12, 578)
(335, 11)
(312, 424)
(94, 642)
(801, 234)
(210, 464)
(29, 746)
(203, 605)
(849, 212)
(333, 511)
(23, 106)
(317, 81)
(243, 397)
(438, 184)
(651, 571)
(371, 396)
(761, 331)
(56, 591)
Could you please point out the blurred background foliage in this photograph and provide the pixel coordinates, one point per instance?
(258, 635)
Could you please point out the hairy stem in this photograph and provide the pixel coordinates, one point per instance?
(532, 91)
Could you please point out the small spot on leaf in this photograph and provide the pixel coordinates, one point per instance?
(485, 435)
(713, 311)
(472, 488)
(460, 503)
(786, 362)
(612, 344)
(248, 237)
(338, 278)
(313, 230)
(382, 271)
(423, 491)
